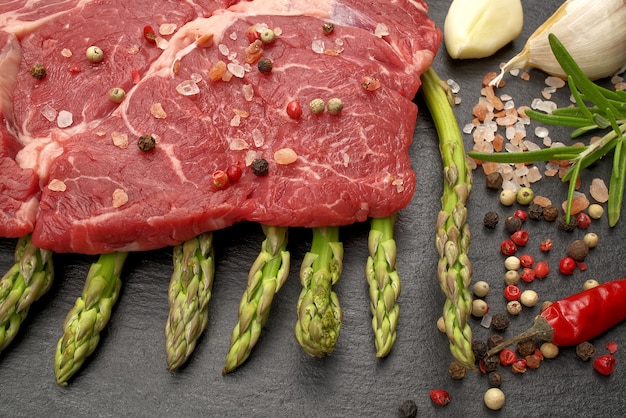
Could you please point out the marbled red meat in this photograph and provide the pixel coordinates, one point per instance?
(349, 166)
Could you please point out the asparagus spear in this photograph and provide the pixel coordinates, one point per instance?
(89, 316)
(189, 295)
(26, 281)
(267, 274)
(454, 269)
(319, 313)
(384, 282)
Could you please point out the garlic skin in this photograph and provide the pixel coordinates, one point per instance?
(593, 31)
(479, 28)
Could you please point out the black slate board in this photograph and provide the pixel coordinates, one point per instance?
(127, 376)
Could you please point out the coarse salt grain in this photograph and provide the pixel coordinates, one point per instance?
(541, 132)
(119, 139)
(285, 156)
(157, 111)
(248, 92)
(57, 185)
(258, 138)
(66, 52)
(236, 69)
(598, 190)
(381, 30)
(555, 82)
(238, 144)
(120, 198)
(223, 49)
(167, 28)
(235, 121)
(187, 88)
(318, 46)
(49, 113)
(65, 119)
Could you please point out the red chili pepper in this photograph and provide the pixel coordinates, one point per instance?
(542, 270)
(440, 397)
(520, 237)
(507, 357)
(294, 110)
(604, 364)
(567, 265)
(149, 34)
(512, 292)
(546, 245)
(577, 318)
(508, 247)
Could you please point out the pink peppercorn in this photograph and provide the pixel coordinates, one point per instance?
(508, 247)
(567, 265)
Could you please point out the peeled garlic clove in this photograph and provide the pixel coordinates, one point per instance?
(479, 28)
(593, 31)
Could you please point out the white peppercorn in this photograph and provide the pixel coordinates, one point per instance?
(529, 298)
(511, 277)
(595, 211)
(591, 239)
(514, 307)
(508, 197)
(512, 263)
(494, 399)
(481, 288)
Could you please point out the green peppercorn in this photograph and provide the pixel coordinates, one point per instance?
(268, 36)
(525, 196)
(38, 71)
(334, 106)
(117, 95)
(265, 65)
(328, 28)
(146, 143)
(260, 167)
(94, 54)
(317, 106)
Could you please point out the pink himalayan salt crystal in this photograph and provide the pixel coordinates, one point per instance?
(599, 191)
(579, 203)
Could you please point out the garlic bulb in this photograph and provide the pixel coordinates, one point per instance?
(593, 31)
(479, 28)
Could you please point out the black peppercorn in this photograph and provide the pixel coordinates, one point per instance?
(328, 28)
(512, 224)
(480, 349)
(500, 322)
(491, 220)
(526, 347)
(260, 167)
(491, 363)
(38, 71)
(550, 213)
(146, 143)
(457, 370)
(535, 211)
(585, 351)
(265, 65)
(495, 379)
(408, 409)
(494, 340)
(494, 181)
(566, 226)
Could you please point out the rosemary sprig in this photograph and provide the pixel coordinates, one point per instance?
(596, 108)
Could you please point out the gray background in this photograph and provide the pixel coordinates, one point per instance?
(127, 374)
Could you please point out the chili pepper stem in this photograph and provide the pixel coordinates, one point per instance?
(541, 330)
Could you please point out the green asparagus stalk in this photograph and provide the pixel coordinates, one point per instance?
(189, 294)
(89, 316)
(266, 276)
(26, 281)
(454, 269)
(319, 313)
(384, 282)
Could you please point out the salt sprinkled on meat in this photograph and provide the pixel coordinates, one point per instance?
(236, 69)
(238, 144)
(57, 185)
(119, 139)
(248, 92)
(318, 46)
(223, 49)
(66, 52)
(65, 119)
(157, 111)
(188, 88)
(120, 198)
(167, 28)
(381, 30)
(49, 112)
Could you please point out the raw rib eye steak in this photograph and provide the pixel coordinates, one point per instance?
(99, 192)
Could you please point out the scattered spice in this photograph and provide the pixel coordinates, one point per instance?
(494, 340)
(526, 347)
(527, 275)
(545, 245)
(370, 83)
(479, 348)
(514, 307)
(525, 196)
(500, 322)
(591, 239)
(535, 212)
(604, 364)
(490, 220)
(526, 260)
(265, 65)
(117, 94)
(578, 250)
(585, 350)
(254, 51)
(508, 247)
(542, 269)
(146, 143)
(294, 109)
(583, 221)
(119, 198)
(94, 54)
(595, 211)
(334, 106)
(38, 71)
(567, 265)
(520, 238)
(566, 226)
(511, 292)
(234, 172)
(440, 397)
(481, 288)
(408, 409)
(491, 363)
(550, 213)
(267, 36)
(519, 366)
(317, 106)
(507, 197)
(457, 370)
(511, 277)
(512, 224)
(549, 350)
(149, 34)
(260, 167)
(494, 399)
(611, 346)
(521, 214)
(507, 357)
(328, 28)
(590, 284)
(512, 263)
(495, 379)
(479, 308)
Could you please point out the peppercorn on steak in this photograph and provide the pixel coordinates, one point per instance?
(134, 126)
